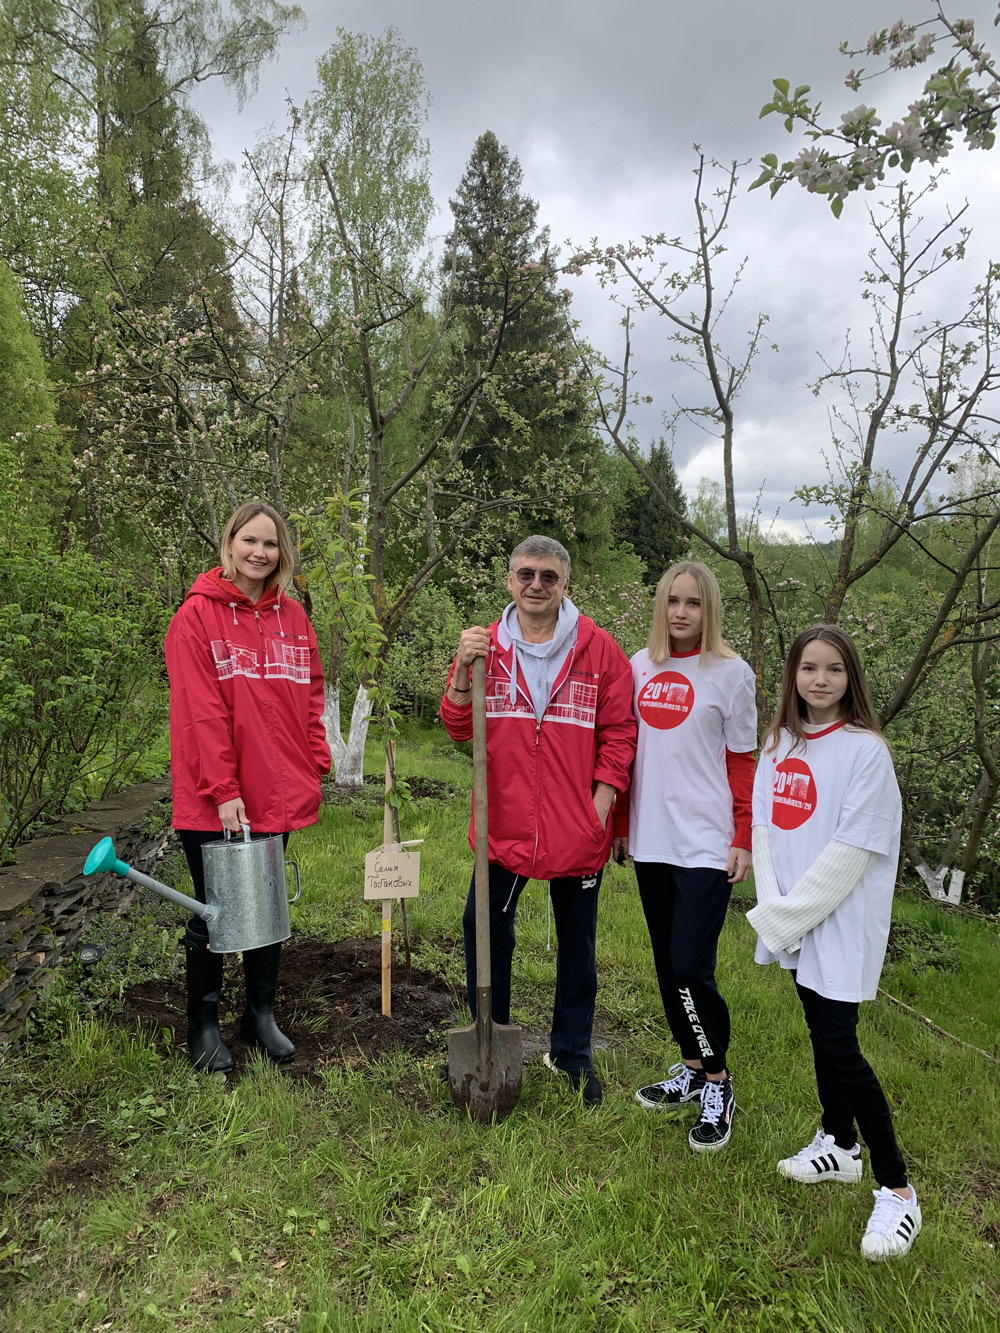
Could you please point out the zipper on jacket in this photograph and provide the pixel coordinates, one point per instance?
(538, 760)
(512, 888)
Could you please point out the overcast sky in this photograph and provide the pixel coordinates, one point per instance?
(601, 103)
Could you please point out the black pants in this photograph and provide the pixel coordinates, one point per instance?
(685, 911)
(847, 1086)
(574, 906)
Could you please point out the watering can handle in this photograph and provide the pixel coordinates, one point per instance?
(294, 865)
(246, 832)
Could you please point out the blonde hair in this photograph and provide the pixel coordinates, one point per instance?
(239, 518)
(856, 706)
(711, 613)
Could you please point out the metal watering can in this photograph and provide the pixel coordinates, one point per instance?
(245, 885)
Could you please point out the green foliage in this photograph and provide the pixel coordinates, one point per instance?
(917, 944)
(657, 537)
(26, 400)
(80, 701)
(531, 444)
(365, 125)
(855, 154)
(421, 652)
(616, 596)
(28, 409)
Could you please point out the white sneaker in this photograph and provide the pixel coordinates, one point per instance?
(893, 1226)
(822, 1160)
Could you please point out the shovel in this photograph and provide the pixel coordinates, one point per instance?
(484, 1060)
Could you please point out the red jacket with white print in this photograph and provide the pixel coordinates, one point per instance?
(246, 695)
(541, 776)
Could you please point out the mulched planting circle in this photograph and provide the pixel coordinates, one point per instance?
(329, 1003)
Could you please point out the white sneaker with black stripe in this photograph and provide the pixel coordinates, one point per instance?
(823, 1160)
(893, 1226)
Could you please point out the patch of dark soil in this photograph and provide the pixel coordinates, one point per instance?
(329, 1003)
(82, 1164)
(741, 905)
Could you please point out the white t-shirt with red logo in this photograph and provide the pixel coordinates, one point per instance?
(680, 803)
(839, 786)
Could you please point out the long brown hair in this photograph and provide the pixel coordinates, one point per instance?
(856, 706)
(712, 641)
(239, 518)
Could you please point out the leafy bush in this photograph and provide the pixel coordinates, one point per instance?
(916, 945)
(422, 650)
(81, 704)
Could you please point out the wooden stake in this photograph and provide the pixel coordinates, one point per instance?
(387, 838)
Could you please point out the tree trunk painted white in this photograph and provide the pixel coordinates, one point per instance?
(349, 755)
(942, 885)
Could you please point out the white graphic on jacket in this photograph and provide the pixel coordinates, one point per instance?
(575, 701)
(282, 661)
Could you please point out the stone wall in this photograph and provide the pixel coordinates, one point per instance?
(46, 903)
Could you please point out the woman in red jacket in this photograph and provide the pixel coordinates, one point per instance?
(246, 746)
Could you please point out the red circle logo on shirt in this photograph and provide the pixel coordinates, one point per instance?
(794, 794)
(666, 700)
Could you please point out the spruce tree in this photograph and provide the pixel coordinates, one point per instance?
(657, 536)
(532, 442)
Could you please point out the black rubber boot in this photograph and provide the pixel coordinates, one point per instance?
(260, 969)
(204, 982)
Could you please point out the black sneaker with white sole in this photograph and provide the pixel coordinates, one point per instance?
(682, 1084)
(714, 1125)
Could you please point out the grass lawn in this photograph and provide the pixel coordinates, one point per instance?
(287, 1206)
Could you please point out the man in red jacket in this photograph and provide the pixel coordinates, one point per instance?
(560, 736)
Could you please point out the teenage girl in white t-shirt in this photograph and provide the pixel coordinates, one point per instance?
(686, 825)
(826, 822)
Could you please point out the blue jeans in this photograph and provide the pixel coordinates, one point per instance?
(574, 906)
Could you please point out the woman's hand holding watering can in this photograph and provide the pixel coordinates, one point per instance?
(233, 814)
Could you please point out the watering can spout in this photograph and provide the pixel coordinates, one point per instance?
(102, 857)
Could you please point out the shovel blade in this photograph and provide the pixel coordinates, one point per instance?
(490, 1092)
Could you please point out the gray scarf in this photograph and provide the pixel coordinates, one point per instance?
(540, 663)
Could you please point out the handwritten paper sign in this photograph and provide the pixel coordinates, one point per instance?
(392, 874)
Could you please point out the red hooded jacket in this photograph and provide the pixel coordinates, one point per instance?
(541, 775)
(246, 695)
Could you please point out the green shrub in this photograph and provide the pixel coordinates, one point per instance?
(82, 708)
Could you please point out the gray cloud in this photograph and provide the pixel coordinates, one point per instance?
(602, 103)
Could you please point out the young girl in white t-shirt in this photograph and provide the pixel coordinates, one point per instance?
(686, 825)
(826, 822)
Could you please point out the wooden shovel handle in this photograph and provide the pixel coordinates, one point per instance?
(483, 979)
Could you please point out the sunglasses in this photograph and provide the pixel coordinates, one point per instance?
(548, 578)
